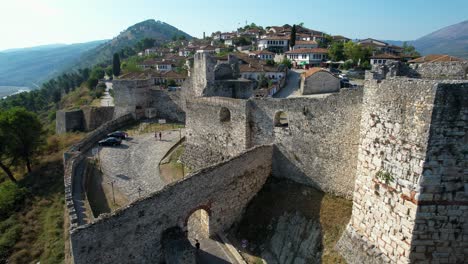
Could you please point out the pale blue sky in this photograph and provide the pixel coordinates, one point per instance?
(25, 23)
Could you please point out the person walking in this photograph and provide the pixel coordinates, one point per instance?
(160, 136)
(155, 135)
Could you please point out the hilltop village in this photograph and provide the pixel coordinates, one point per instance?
(277, 136)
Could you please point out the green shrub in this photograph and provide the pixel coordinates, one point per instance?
(11, 197)
(10, 232)
(385, 176)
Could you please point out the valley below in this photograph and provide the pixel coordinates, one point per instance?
(10, 90)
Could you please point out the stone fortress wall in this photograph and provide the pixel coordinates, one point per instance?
(318, 147)
(87, 118)
(134, 234)
(399, 143)
(414, 132)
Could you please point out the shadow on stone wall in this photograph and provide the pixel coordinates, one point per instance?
(281, 224)
(441, 218)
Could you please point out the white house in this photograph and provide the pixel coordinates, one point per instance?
(274, 43)
(304, 44)
(229, 42)
(310, 57)
(382, 59)
(155, 64)
(262, 54)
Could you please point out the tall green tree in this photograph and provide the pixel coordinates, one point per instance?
(410, 50)
(292, 39)
(23, 132)
(336, 51)
(5, 147)
(116, 64)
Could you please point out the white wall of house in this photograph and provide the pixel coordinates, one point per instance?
(266, 43)
(308, 58)
(163, 67)
(380, 61)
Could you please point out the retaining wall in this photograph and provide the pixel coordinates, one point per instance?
(134, 234)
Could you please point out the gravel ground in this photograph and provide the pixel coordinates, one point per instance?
(135, 164)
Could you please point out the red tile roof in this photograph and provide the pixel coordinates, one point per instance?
(385, 56)
(304, 51)
(306, 42)
(435, 58)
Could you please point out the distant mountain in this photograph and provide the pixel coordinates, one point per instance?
(158, 30)
(40, 47)
(452, 40)
(30, 66)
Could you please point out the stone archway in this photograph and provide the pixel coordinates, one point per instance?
(281, 119)
(224, 115)
(198, 224)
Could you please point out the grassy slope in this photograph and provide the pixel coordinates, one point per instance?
(41, 218)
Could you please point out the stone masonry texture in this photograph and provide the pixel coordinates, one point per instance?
(134, 234)
(414, 131)
(318, 147)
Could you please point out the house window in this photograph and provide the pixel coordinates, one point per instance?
(375, 61)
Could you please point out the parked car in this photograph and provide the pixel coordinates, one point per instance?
(335, 70)
(345, 83)
(118, 134)
(355, 73)
(110, 141)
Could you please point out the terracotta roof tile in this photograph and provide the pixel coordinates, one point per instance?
(304, 51)
(385, 56)
(435, 58)
(314, 70)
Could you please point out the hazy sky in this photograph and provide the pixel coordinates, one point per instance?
(25, 23)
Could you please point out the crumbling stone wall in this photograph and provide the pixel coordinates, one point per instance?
(94, 117)
(211, 138)
(320, 144)
(130, 96)
(169, 105)
(133, 234)
(85, 119)
(68, 121)
(318, 147)
(402, 209)
(441, 70)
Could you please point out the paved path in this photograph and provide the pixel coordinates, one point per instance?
(213, 252)
(292, 84)
(135, 164)
(107, 99)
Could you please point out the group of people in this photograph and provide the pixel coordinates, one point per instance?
(156, 135)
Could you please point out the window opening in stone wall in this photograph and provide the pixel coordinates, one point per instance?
(224, 115)
(281, 119)
(198, 225)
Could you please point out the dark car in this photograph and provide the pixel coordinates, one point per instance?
(345, 83)
(110, 141)
(118, 134)
(335, 71)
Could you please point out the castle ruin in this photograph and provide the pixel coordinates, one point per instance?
(398, 148)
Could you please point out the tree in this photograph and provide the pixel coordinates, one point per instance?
(410, 50)
(326, 41)
(336, 51)
(116, 64)
(24, 134)
(98, 73)
(286, 62)
(292, 39)
(262, 81)
(92, 82)
(5, 147)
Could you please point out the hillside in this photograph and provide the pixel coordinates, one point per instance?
(29, 66)
(452, 40)
(147, 29)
